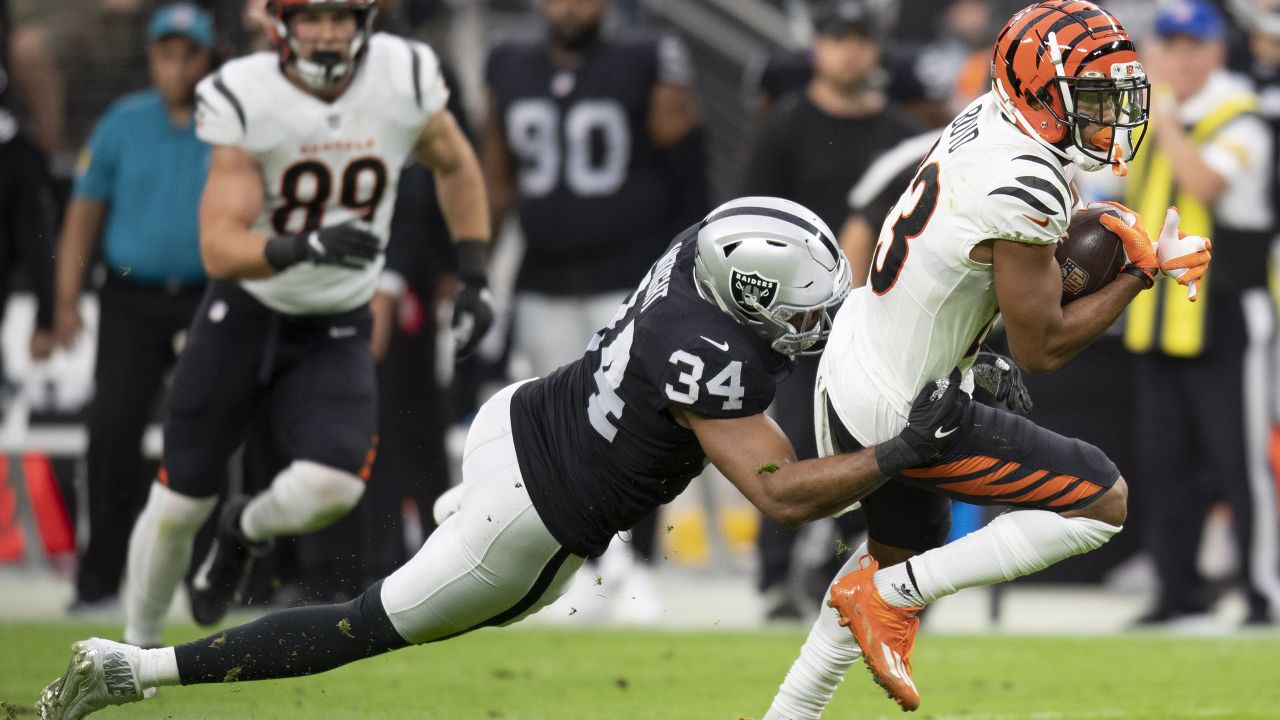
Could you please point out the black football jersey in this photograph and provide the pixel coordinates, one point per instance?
(596, 441)
(593, 204)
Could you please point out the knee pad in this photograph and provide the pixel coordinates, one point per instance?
(318, 494)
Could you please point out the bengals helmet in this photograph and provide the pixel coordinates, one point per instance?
(1067, 74)
(323, 69)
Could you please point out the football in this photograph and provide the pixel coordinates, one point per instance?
(1090, 255)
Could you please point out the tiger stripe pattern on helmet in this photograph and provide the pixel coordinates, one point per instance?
(1048, 48)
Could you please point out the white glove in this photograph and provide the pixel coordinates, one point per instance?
(1184, 258)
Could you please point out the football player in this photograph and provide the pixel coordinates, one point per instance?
(308, 144)
(554, 467)
(973, 238)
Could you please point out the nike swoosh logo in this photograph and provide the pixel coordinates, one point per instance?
(939, 434)
(338, 333)
(720, 345)
(1041, 223)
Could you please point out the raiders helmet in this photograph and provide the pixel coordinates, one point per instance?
(321, 70)
(774, 266)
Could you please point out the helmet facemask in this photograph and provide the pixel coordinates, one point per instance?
(1106, 114)
(324, 70)
(774, 267)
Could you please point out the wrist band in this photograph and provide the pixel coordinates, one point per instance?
(473, 260)
(1148, 279)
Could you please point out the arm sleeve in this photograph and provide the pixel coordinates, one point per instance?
(1029, 202)
(220, 113)
(97, 165)
(431, 92)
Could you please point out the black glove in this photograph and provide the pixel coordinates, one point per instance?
(932, 427)
(350, 245)
(473, 309)
(998, 383)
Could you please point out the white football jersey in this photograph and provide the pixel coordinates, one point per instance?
(927, 305)
(324, 163)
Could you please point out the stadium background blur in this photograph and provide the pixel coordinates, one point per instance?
(79, 55)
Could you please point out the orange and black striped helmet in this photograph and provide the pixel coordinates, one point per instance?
(321, 70)
(1067, 73)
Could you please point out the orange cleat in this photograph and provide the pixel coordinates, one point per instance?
(886, 633)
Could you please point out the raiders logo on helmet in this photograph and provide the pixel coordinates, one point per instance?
(752, 290)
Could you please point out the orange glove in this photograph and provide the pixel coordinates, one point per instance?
(1137, 244)
(1183, 257)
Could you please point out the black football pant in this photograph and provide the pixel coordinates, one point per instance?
(137, 328)
(1191, 440)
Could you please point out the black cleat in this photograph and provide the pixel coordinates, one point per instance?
(224, 573)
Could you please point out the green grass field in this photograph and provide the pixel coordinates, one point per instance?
(551, 674)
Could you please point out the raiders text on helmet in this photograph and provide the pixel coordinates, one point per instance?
(1066, 72)
(322, 70)
(775, 267)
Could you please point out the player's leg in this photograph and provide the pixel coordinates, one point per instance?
(1068, 498)
(324, 400)
(214, 392)
(493, 562)
(902, 521)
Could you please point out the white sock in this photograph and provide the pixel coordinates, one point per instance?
(158, 667)
(896, 585)
(1015, 544)
(159, 555)
(825, 657)
(305, 496)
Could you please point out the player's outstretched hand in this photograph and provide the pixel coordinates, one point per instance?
(1183, 257)
(473, 309)
(932, 427)
(351, 244)
(1138, 249)
(1001, 378)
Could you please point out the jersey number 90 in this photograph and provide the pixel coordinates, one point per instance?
(591, 148)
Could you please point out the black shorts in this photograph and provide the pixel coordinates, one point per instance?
(316, 371)
(999, 459)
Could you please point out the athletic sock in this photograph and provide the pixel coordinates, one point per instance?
(1015, 544)
(156, 667)
(159, 555)
(825, 657)
(289, 643)
(897, 585)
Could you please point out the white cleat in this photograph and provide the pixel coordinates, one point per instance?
(101, 673)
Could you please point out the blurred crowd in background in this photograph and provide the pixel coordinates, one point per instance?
(830, 104)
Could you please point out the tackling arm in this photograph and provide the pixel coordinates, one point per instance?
(758, 459)
(1043, 335)
(229, 207)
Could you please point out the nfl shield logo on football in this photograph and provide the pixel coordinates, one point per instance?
(1073, 277)
(752, 289)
